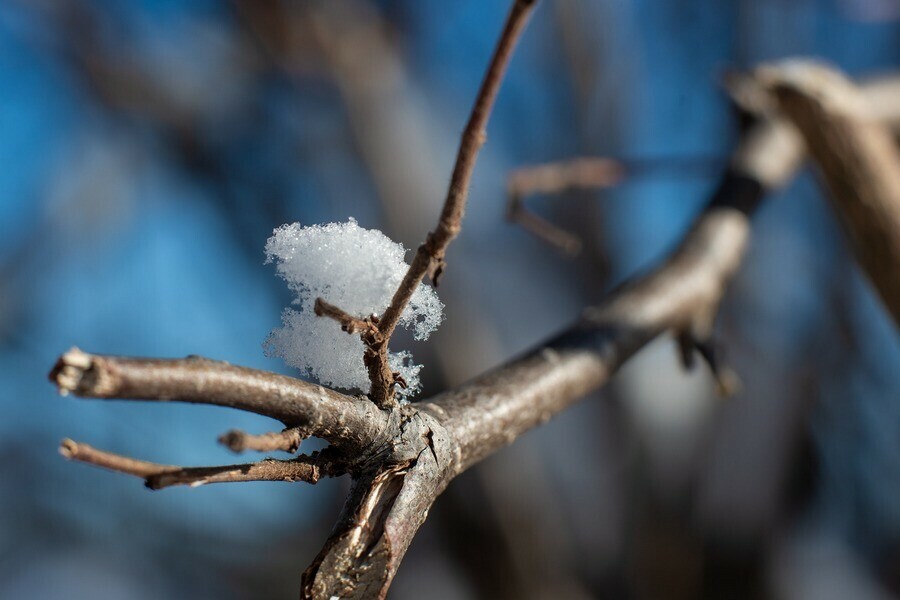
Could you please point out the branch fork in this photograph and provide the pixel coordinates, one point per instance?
(402, 457)
(429, 258)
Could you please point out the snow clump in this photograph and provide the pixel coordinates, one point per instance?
(357, 270)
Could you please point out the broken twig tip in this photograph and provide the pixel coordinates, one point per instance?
(68, 448)
(69, 370)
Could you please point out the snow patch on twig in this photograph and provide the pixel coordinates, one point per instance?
(358, 270)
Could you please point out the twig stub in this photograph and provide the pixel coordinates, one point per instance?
(158, 476)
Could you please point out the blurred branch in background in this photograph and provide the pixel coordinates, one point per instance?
(857, 158)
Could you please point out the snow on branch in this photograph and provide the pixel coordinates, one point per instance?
(358, 270)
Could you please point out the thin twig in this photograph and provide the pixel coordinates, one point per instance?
(553, 178)
(429, 258)
(559, 176)
(158, 476)
(288, 440)
(348, 322)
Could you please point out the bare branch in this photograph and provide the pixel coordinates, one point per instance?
(157, 476)
(381, 516)
(429, 258)
(881, 94)
(553, 178)
(727, 381)
(556, 177)
(683, 293)
(288, 440)
(348, 322)
(402, 459)
(342, 420)
(461, 427)
(857, 159)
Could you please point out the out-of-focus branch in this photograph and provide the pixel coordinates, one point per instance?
(323, 412)
(156, 476)
(553, 178)
(857, 159)
(881, 94)
(288, 440)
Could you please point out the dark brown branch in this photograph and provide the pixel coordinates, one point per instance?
(342, 420)
(553, 178)
(429, 258)
(857, 159)
(380, 517)
(348, 322)
(157, 476)
(288, 440)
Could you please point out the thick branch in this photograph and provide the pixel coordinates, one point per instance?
(683, 293)
(381, 516)
(858, 161)
(495, 409)
(157, 476)
(344, 421)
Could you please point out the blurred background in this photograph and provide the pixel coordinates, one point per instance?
(148, 149)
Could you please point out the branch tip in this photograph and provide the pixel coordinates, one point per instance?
(239, 441)
(70, 369)
(68, 448)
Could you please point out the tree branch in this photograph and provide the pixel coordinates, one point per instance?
(553, 178)
(402, 459)
(455, 430)
(429, 258)
(288, 440)
(857, 159)
(157, 476)
(340, 419)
